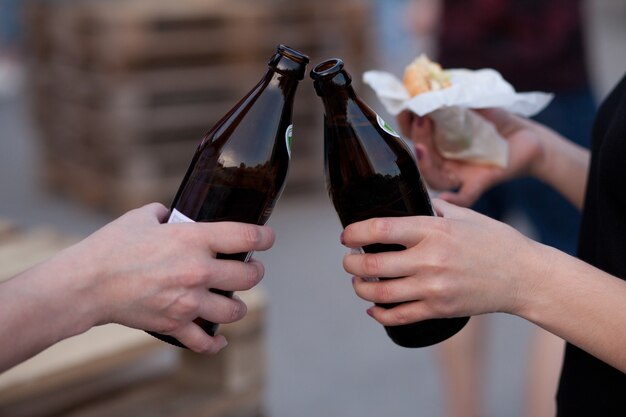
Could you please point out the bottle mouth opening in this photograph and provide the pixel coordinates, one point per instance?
(327, 68)
(293, 54)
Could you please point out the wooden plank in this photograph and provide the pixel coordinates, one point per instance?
(7, 230)
(37, 18)
(240, 367)
(118, 193)
(95, 35)
(118, 125)
(100, 376)
(86, 366)
(182, 35)
(22, 250)
(101, 89)
(175, 399)
(103, 191)
(146, 155)
(133, 176)
(235, 370)
(115, 371)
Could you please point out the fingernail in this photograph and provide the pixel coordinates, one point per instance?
(419, 153)
(223, 346)
(370, 312)
(217, 347)
(353, 279)
(341, 239)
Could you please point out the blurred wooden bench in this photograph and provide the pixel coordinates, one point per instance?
(115, 371)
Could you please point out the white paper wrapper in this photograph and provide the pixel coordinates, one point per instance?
(459, 133)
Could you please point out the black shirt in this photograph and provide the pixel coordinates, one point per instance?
(590, 387)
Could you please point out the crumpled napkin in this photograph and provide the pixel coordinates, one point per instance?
(459, 132)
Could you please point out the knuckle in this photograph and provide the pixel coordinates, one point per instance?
(246, 276)
(442, 226)
(436, 288)
(186, 305)
(399, 316)
(252, 235)
(372, 264)
(444, 308)
(441, 294)
(179, 237)
(380, 228)
(437, 263)
(154, 207)
(383, 293)
(255, 272)
(204, 277)
(168, 326)
(193, 276)
(238, 310)
(203, 346)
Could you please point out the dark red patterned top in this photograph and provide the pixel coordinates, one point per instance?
(535, 44)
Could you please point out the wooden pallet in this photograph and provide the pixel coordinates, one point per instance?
(123, 34)
(110, 192)
(20, 250)
(179, 399)
(114, 371)
(123, 90)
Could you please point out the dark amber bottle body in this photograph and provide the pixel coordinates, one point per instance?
(370, 172)
(239, 169)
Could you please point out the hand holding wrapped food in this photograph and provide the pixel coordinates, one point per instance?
(447, 97)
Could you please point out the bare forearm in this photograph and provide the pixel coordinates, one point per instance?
(563, 165)
(37, 311)
(582, 305)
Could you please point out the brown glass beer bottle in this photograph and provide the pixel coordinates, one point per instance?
(370, 172)
(238, 171)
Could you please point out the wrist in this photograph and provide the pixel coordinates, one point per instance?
(561, 164)
(39, 309)
(546, 142)
(71, 292)
(534, 278)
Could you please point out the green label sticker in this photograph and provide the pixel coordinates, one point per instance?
(289, 139)
(386, 126)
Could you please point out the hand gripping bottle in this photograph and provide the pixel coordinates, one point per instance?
(370, 172)
(238, 171)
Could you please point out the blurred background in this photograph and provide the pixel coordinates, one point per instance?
(102, 103)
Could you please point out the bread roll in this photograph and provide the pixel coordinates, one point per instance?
(424, 75)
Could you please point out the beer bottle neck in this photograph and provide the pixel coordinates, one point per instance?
(286, 67)
(337, 101)
(287, 83)
(289, 62)
(334, 86)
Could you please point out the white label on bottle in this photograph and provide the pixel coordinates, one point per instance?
(289, 139)
(386, 127)
(178, 217)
